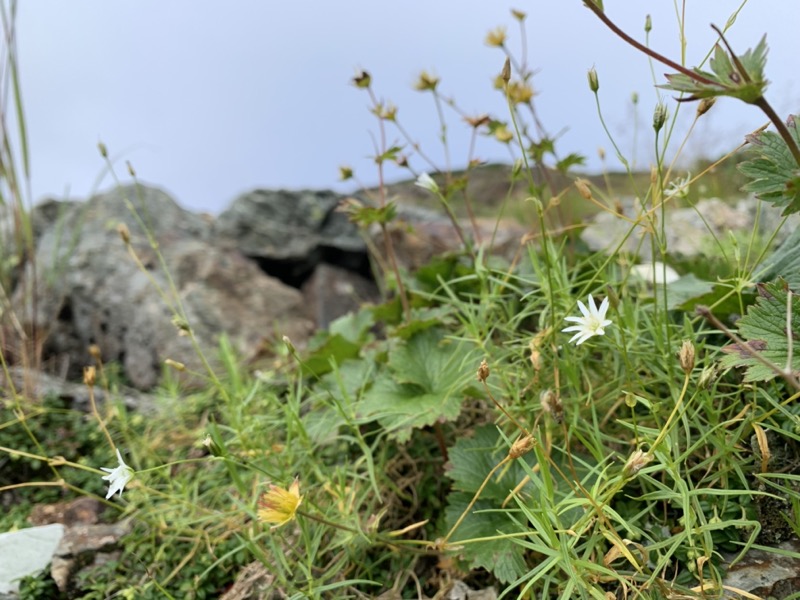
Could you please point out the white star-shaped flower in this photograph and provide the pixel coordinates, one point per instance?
(593, 322)
(117, 478)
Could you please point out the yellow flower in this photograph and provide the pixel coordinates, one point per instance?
(278, 505)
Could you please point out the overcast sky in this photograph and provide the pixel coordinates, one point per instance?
(209, 99)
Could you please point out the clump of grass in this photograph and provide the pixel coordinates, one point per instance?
(542, 423)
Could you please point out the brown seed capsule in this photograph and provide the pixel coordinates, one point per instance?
(522, 446)
(483, 371)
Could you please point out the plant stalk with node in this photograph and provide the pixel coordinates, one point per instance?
(739, 77)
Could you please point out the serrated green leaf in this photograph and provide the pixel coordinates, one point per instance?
(472, 458)
(763, 329)
(501, 557)
(774, 173)
(726, 78)
(470, 462)
(424, 384)
(569, 161)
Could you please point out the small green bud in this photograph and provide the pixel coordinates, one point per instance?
(648, 24)
(103, 150)
(659, 116)
(635, 98)
(594, 83)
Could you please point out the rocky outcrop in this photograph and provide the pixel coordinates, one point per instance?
(290, 233)
(88, 289)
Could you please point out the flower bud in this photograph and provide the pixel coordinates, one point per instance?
(174, 364)
(648, 24)
(583, 188)
(686, 356)
(659, 116)
(705, 105)
(103, 150)
(594, 82)
(505, 74)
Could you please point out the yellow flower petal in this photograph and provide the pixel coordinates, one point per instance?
(279, 506)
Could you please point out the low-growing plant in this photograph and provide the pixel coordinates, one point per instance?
(545, 423)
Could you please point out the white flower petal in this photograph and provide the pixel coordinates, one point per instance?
(592, 323)
(118, 477)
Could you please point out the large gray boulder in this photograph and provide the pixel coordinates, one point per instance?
(87, 289)
(288, 233)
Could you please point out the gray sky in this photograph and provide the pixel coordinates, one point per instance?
(210, 99)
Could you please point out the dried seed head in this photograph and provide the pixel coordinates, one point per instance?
(89, 375)
(362, 80)
(483, 371)
(477, 121)
(594, 82)
(637, 461)
(426, 82)
(518, 15)
(552, 405)
(289, 344)
(345, 173)
(708, 376)
(94, 352)
(686, 356)
(601, 153)
(522, 446)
